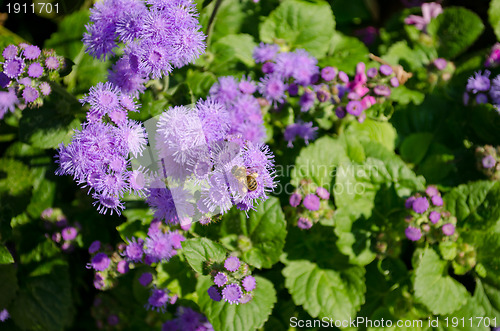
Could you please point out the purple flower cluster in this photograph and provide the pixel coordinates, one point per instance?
(233, 282)
(158, 35)
(483, 89)
(488, 161)
(187, 319)
(59, 231)
(98, 156)
(158, 246)
(428, 217)
(159, 299)
(196, 144)
(24, 75)
(296, 74)
(314, 205)
(244, 112)
(429, 11)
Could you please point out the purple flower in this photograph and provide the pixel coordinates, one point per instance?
(225, 90)
(30, 94)
(385, 70)
(35, 70)
(122, 267)
(247, 86)
(249, 283)
(481, 98)
(323, 193)
(479, 82)
(145, 279)
(437, 200)
(134, 250)
(448, 229)
(328, 73)
(159, 247)
(488, 162)
(94, 247)
(311, 202)
(4, 315)
(372, 72)
(220, 279)
(354, 107)
(494, 57)
(429, 11)
(306, 101)
(232, 293)
(69, 233)
(232, 263)
(100, 262)
(31, 52)
(304, 223)
(413, 233)
(265, 52)
(434, 216)
(268, 67)
(45, 88)
(214, 119)
(273, 89)
(343, 77)
(495, 90)
(103, 99)
(52, 63)
(420, 205)
(113, 320)
(304, 130)
(382, 90)
(295, 199)
(431, 191)
(214, 294)
(10, 52)
(13, 67)
(158, 300)
(440, 63)
(394, 81)
(340, 112)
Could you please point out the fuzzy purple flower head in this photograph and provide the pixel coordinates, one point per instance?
(413, 233)
(420, 205)
(232, 263)
(304, 223)
(232, 293)
(448, 229)
(100, 262)
(311, 202)
(145, 279)
(214, 293)
(295, 199)
(249, 283)
(220, 279)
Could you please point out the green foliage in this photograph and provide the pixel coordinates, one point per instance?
(455, 30)
(262, 234)
(300, 24)
(438, 292)
(200, 250)
(494, 16)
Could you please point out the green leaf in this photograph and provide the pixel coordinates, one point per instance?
(455, 30)
(45, 302)
(434, 288)
(354, 149)
(317, 165)
(325, 292)
(15, 177)
(345, 53)
(5, 256)
(404, 95)
(8, 283)
(200, 250)
(200, 82)
(231, 49)
(487, 247)
(410, 59)
(476, 205)
(489, 298)
(301, 24)
(370, 130)
(415, 146)
(494, 16)
(265, 228)
(229, 19)
(484, 123)
(132, 228)
(242, 317)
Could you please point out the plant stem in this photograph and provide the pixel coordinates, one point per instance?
(211, 20)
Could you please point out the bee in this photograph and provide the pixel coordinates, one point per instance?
(247, 180)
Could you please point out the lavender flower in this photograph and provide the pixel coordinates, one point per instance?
(488, 162)
(311, 202)
(145, 279)
(323, 193)
(328, 73)
(385, 70)
(265, 52)
(134, 250)
(100, 262)
(232, 293)
(214, 294)
(232, 264)
(249, 283)
(94, 247)
(448, 229)
(479, 82)
(69, 233)
(273, 89)
(413, 233)
(220, 279)
(437, 200)
(420, 205)
(305, 131)
(304, 223)
(295, 199)
(158, 300)
(434, 216)
(4, 315)
(159, 247)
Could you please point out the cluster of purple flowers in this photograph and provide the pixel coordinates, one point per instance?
(160, 245)
(244, 109)
(483, 89)
(4, 315)
(488, 161)
(296, 74)
(159, 299)
(25, 72)
(187, 319)
(310, 203)
(429, 11)
(158, 35)
(233, 282)
(195, 146)
(60, 231)
(98, 156)
(107, 264)
(427, 214)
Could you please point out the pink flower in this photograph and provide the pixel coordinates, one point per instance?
(429, 11)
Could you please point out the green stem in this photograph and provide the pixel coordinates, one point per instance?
(210, 26)
(70, 80)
